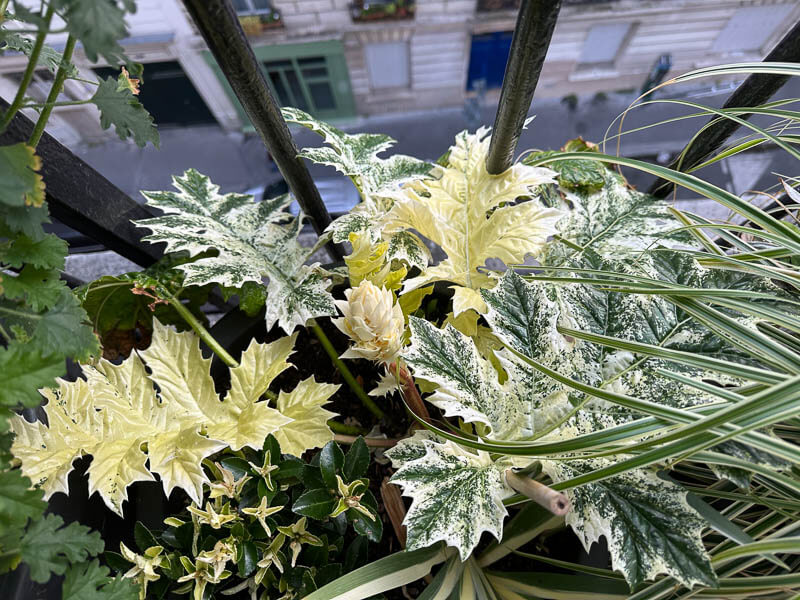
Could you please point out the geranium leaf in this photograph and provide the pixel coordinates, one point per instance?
(98, 25)
(24, 372)
(48, 547)
(120, 108)
(650, 528)
(254, 240)
(61, 329)
(48, 57)
(456, 495)
(18, 502)
(20, 182)
(91, 581)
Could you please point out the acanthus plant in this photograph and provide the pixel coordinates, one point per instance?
(575, 347)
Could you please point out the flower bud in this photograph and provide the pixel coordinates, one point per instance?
(373, 321)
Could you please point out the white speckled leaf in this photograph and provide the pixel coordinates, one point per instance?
(649, 526)
(116, 411)
(253, 239)
(617, 218)
(356, 155)
(471, 215)
(468, 385)
(456, 495)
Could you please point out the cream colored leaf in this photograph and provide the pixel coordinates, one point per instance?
(471, 215)
(303, 405)
(176, 456)
(116, 416)
(182, 373)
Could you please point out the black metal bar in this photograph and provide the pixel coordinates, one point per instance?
(757, 89)
(535, 25)
(220, 27)
(83, 199)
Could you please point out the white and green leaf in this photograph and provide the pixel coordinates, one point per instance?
(253, 240)
(456, 495)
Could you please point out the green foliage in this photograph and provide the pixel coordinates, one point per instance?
(120, 108)
(98, 26)
(265, 525)
(50, 547)
(20, 183)
(90, 581)
(252, 240)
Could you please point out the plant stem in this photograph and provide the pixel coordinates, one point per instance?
(52, 104)
(345, 372)
(556, 502)
(410, 392)
(216, 348)
(27, 76)
(345, 429)
(374, 442)
(55, 90)
(3, 7)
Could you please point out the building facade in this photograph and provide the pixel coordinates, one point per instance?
(340, 59)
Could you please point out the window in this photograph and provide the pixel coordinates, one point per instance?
(304, 83)
(487, 60)
(387, 65)
(252, 7)
(602, 45)
(750, 28)
(169, 95)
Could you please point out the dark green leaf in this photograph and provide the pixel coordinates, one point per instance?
(20, 184)
(247, 559)
(18, 502)
(317, 504)
(238, 466)
(143, 537)
(98, 25)
(47, 547)
(356, 461)
(120, 108)
(24, 373)
(331, 461)
(371, 528)
(312, 478)
(356, 555)
(289, 468)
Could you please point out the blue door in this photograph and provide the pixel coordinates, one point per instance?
(487, 58)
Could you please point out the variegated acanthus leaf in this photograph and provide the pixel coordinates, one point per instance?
(526, 317)
(472, 216)
(253, 240)
(133, 430)
(377, 180)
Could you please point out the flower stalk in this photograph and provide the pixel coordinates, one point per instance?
(345, 372)
(546, 497)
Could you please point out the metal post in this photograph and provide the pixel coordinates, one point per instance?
(755, 90)
(535, 25)
(220, 27)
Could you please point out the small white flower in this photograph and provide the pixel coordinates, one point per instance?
(373, 320)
